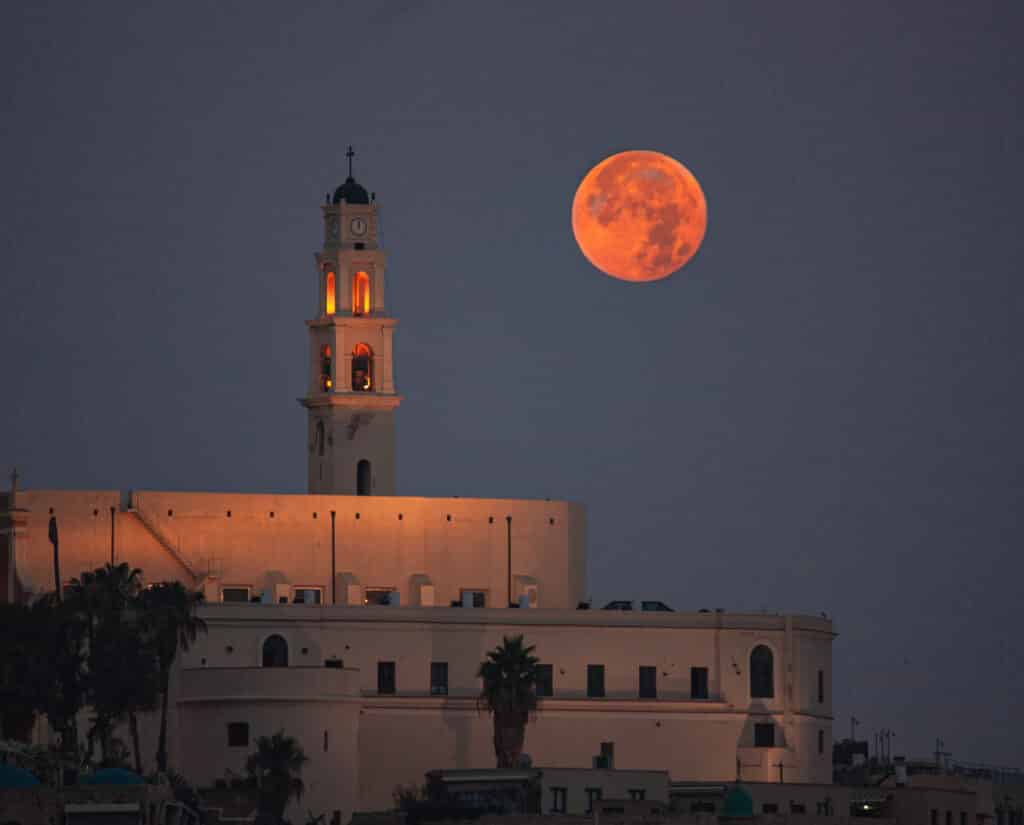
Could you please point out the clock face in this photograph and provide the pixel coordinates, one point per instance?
(358, 226)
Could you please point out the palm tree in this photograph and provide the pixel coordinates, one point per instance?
(275, 767)
(106, 598)
(169, 617)
(509, 675)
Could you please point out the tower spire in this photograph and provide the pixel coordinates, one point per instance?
(350, 154)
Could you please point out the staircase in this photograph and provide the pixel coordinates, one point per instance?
(162, 540)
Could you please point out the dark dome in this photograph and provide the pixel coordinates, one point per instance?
(350, 192)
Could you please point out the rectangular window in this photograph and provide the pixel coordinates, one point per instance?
(238, 734)
(438, 678)
(473, 598)
(963, 817)
(770, 808)
(593, 795)
(307, 595)
(386, 678)
(797, 807)
(698, 683)
(935, 817)
(558, 800)
(545, 680)
(637, 794)
(648, 682)
(821, 687)
(764, 735)
(949, 818)
(377, 595)
(237, 594)
(595, 681)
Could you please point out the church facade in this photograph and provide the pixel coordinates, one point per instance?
(355, 619)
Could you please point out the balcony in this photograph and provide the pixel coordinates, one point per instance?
(268, 684)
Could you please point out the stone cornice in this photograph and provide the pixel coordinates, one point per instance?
(353, 400)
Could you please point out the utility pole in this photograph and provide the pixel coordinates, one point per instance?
(508, 522)
(854, 721)
(113, 552)
(334, 562)
(55, 541)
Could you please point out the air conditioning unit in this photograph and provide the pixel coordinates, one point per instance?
(282, 593)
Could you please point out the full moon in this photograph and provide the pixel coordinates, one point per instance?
(639, 216)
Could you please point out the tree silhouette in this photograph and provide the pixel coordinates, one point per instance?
(509, 675)
(276, 767)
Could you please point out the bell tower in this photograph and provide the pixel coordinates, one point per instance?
(351, 398)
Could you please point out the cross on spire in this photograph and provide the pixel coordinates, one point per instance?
(350, 154)
(14, 480)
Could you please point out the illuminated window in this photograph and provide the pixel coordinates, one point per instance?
(360, 294)
(762, 673)
(329, 293)
(326, 363)
(362, 368)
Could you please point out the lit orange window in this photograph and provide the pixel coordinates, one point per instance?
(326, 382)
(362, 368)
(360, 294)
(329, 289)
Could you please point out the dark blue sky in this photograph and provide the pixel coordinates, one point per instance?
(822, 411)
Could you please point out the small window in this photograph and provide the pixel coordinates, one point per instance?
(698, 683)
(438, 678)
(545, 685)
(238, 734)
(949, 818)
(558, 796)
(235, 594)
(963, 817)
(307, 595)
(770, 808)
(275, 652)
(637, 794)
(595, 681)
(320, 439)
(648, 682)
(762, 673)
(764, 735)
(797, 807)
(386, 678)
(593, 795)
(935, 817)
(377, 595)
(478, 597)
(821, 687)
(364, 478)
(821, 742)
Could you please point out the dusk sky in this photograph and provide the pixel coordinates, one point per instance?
(821, 412)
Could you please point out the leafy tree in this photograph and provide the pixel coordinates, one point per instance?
(170, 621)
(276, 767)
(509, 675)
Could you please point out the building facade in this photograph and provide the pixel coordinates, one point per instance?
(355, 620)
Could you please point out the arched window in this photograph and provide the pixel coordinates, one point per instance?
(326, 362)
(364, 478)
(762, 673)
(361, 294)
(329, 293)
(362, 368)
(275, 652)
(319, 437)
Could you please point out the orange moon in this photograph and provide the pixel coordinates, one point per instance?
(639, 216)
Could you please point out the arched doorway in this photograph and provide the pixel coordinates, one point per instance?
(364, 478)
(362, 368)
(275, 652)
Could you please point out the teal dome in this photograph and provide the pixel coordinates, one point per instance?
(11, 776)
(113, 776)
(738, 803)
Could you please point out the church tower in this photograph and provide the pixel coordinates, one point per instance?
(351, 396)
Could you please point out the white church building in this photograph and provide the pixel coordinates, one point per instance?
(355, 619)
